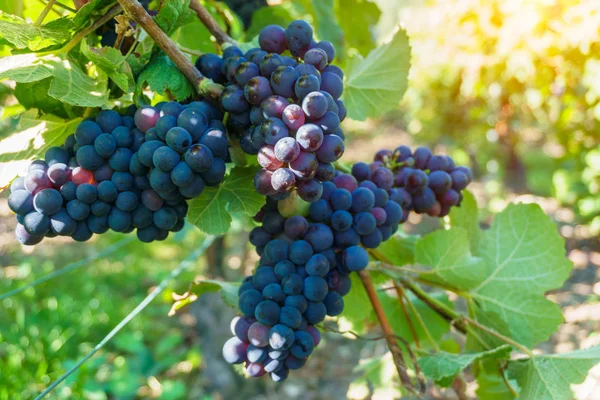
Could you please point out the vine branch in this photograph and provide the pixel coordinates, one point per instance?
(203, 86)
(44, 13)
(210, 23)
(387, 331)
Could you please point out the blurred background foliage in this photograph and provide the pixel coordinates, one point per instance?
(508, 87)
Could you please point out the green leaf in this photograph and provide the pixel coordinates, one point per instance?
(27, 36)
(399, 249)
(357, 305)
(467, 217)
(358, 18)
(35, 95)
(35, 135)
(376, 84)
(26, 67)
(491, 384)
(112, 62)
(436, 325)
(525, 257)
(163, 76)
(83, 15)
(172, 14)
(442, 367)
(211, 212)
(228, 291)
(447, 253)
(550, 376)
(71, 85)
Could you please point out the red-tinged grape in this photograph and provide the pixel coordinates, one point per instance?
(305, 165)
(262, 183)
(267, 159)
(309, 137)
(287, 149)
(293, 117)
(316, 57)
(37, 180)
(146, 117)
(283, 180)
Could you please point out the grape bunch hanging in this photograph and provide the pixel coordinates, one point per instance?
(123, 172)
(284, 108)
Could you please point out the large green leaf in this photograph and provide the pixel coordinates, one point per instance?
(548, 377)
(173, 13)
(163, 76)
(519, 258)
(399, 249)
(358, 18)
(211, 211)
(525, 257)
(73, 86)
(357, 307)
(27, 36)
(94, 6)
(435, 324)
(35, 95)
(26, 67)
(376, 84)
(447, 253)
(442, 367)
(33, 137)
(467, 217)
(112, 62)
(327, 25)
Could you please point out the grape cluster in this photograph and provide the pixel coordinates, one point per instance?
(123, 173)
(423, 182)
(284, 108)
(303, 271)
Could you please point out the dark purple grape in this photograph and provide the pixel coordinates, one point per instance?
(361, 171)
(293, 117)
(272, 130)
(332, 84)
(309, 137)
(423, 201)
(310, 190)
(306, 84)
(421, 157)
(283, 180)
(108, 120)
(37, 180)
(257, 90)
(329, 123)
(230, 65)
(328, 48)
(460, 179)
(233, 100)
(210, 66)
(289, 61)
(257, 56)
(295, 227)
(262, 182)
(437, 163)
(25, 237)
(331, 149)
(199, 158)
(215, 173)
(307, 69)
(287, 149)
(272, 39)
(314, 105)
(216, 140)
(58, 174)
(383, 178)
(283, 80)
(234, 351)
(316, 57)
(334, 69)
(145, 118)
(416, 180)
(325, 172)
(298, 37)
(273, 106)
(440, 182)
(179, 139)
(232, 51)
(21, 201)
(269, 63)
(342, 112)
(305, 165)
(193, 121)
(246, 71)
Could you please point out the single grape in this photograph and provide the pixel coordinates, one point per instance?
(309, 137)
(314, 105)
(87, 193)
(199, 158)
(273, 106)
(179, 139)
(295, 226)
(233, 100)
(216, 140)
(88, 158)
(283, 80)
(298, 36)
(87, 132)
(193, 121)
(283, 180)
(272, 130)
(56, 155)
(331, 149)
(332, 84)
(269, 63)
(21, 201)
(262, 183)
(246, 71)
(305, 165)
(145, 118)
(272, 39)
(210, 66)
(216, 173)
(287, 150)
(316, 57)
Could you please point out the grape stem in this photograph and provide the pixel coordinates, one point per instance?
(44, 13)
(210, 23)
(387, 331)
(203, 85)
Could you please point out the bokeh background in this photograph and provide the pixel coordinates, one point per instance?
(509, 87)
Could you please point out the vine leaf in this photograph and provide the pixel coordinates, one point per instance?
(83, 15)
(163, 76)
(467, 217)
(435, 324)
(212, 211)
(173, 14)
(112, 62)
(227, 290)
(327, 25)
(33, 137)
(376, 84)
(358, 308)
(447, 253)
(550, 376)
(442, 367)
(399, 249)
(26, 68)
(73, 86)
(357, 18)
(22, 35)
(518, 259)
